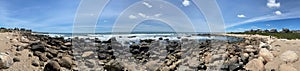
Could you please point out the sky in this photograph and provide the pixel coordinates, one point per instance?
(238, 15)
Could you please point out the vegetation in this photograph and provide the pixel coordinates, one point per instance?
(285, 34)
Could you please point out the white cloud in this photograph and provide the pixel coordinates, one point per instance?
(132, 17)
(268, 25)
(273, 4)
(277, 13)
(241, 16)
(143, 15)
(186, 3)
(267, 18)
(147, 4)
(157, 15)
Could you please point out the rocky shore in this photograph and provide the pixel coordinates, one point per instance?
(31, 52)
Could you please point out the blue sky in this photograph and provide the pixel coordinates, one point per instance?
(238, 15)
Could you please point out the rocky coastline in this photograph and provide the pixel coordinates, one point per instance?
(81, 54)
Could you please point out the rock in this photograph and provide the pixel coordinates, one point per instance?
(289, 56)
(87, 54)
(255, 65)
(250, 50)
(273, 65)
(20, 48)
(264, 45)
(215, 58)
(53, 52)
(52, 66)
(266, 54)
(68, 44)
(90, 63)
(38, 47)
(287, 67)
(5, 61)
(35, 63)
(66, 62)
(16, 60)
(18, 54)
(49, 55)
(43, 57)
(235, 67)
(114, 66)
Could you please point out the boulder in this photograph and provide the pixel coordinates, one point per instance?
(255, 65)
(287, 67)
(5, 61)
(266, 54)
(52, 66)
(66, 62)
(289, 56)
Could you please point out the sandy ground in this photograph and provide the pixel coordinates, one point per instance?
(6, 46)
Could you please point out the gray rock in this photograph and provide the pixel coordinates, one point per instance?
(289, 56)
(5, 61)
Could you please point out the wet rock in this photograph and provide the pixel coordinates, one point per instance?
(66, 62)
(5, 61)
(287, 67)
(16, 59)
(289, 56)
(52, 66)
(255, 65)
(266, 54)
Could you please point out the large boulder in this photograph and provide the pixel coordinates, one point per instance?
(5, 61)
(266, 54)
(255, 65)
(289, 56)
